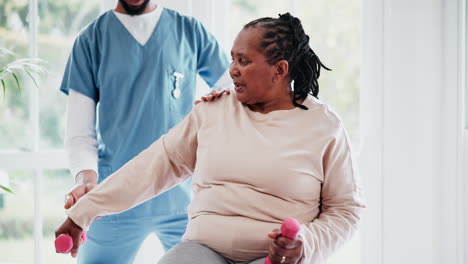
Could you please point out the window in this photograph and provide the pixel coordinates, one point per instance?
(17, 218)
(17, 214)
(14, 109)
(60, 23)
(32, 127)
(330, 24)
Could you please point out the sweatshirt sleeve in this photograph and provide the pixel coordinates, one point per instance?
(341, 202)
(167, 162)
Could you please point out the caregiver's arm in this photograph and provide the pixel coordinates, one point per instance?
(167, 162)
(81, 145)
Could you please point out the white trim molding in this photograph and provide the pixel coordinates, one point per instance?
(463, 236)
(372, 132)
(54, 159)
(450, 213)
(463, 156)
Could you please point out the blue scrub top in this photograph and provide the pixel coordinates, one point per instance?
(133, 84)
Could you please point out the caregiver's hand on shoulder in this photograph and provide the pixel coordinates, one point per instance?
(213, 95)
(74, 231)
(85, 181)
(284, 250)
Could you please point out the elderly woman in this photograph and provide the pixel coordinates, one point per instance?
(270, 151)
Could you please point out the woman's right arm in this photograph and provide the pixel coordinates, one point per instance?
(166, 163)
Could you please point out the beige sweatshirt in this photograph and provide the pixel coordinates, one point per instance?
(250, 171)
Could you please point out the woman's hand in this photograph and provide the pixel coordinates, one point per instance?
(70, 228)
(284, 250)
(213, 95)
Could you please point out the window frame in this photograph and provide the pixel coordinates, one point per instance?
(36, 159)
(456, 109)
(463, 170)
(454, 136)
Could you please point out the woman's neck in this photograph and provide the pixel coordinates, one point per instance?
(279, 103)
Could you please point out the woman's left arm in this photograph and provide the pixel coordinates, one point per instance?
(341, 202)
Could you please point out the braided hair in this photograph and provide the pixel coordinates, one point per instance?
(285, 39)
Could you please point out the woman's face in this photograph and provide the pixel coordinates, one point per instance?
(253, 77)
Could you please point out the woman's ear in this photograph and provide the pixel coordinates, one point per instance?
(282, 69)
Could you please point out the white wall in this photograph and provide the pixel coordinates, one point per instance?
(412, 111)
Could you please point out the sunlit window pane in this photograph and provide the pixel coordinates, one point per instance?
(56, 183)
(60, 23)
(334, 31)
(17, 217)
(15, 129)
(243, 11)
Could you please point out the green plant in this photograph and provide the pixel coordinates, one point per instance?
(14, 70)
(6, 189)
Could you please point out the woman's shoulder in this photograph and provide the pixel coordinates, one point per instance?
(322, 111)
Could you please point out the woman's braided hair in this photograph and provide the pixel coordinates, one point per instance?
(285, 39)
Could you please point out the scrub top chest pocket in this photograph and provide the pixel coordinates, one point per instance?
(180, 73)
(181, 88)
(181, 82)
(176, 89)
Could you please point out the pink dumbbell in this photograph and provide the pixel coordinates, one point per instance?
(289, 228)
(64, 242)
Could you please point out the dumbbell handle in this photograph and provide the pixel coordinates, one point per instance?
(289, 228)
(64, 242)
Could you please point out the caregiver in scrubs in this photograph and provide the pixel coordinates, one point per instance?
(130, 78)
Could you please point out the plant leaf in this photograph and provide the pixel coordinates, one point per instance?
(17, 81)
(6, 189)
(4, 89)
(31, 66)
(34, 79)
(5, 51)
